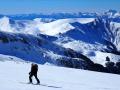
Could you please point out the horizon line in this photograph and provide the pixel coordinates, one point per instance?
(64, 12)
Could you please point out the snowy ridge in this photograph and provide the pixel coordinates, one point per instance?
(27, 47)
(36, 26)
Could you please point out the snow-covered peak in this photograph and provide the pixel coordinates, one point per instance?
(60, 26)
(112, 13)
(5, 25)
(37, 26)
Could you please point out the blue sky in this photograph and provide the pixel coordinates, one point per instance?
(49, 6)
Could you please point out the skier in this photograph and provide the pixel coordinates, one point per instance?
(33, 72)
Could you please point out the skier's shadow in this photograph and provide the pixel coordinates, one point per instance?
(49, 86)
(45, 85)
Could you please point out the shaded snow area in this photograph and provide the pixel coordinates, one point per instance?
(100, 57)
(14, 76)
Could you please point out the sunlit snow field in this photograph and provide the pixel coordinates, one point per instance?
(14, 76)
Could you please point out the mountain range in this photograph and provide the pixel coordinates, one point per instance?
(77, 40)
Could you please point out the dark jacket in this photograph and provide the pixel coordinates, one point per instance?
(34, 69)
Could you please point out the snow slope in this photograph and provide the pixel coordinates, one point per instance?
(14, 76)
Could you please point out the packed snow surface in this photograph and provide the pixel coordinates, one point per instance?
(14, 76)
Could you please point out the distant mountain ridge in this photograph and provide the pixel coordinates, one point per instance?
(109, 13)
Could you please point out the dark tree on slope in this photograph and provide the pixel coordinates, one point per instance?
(73, 54)
(118, 67)
(3, 38)
(72, 63)
(97, 67)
